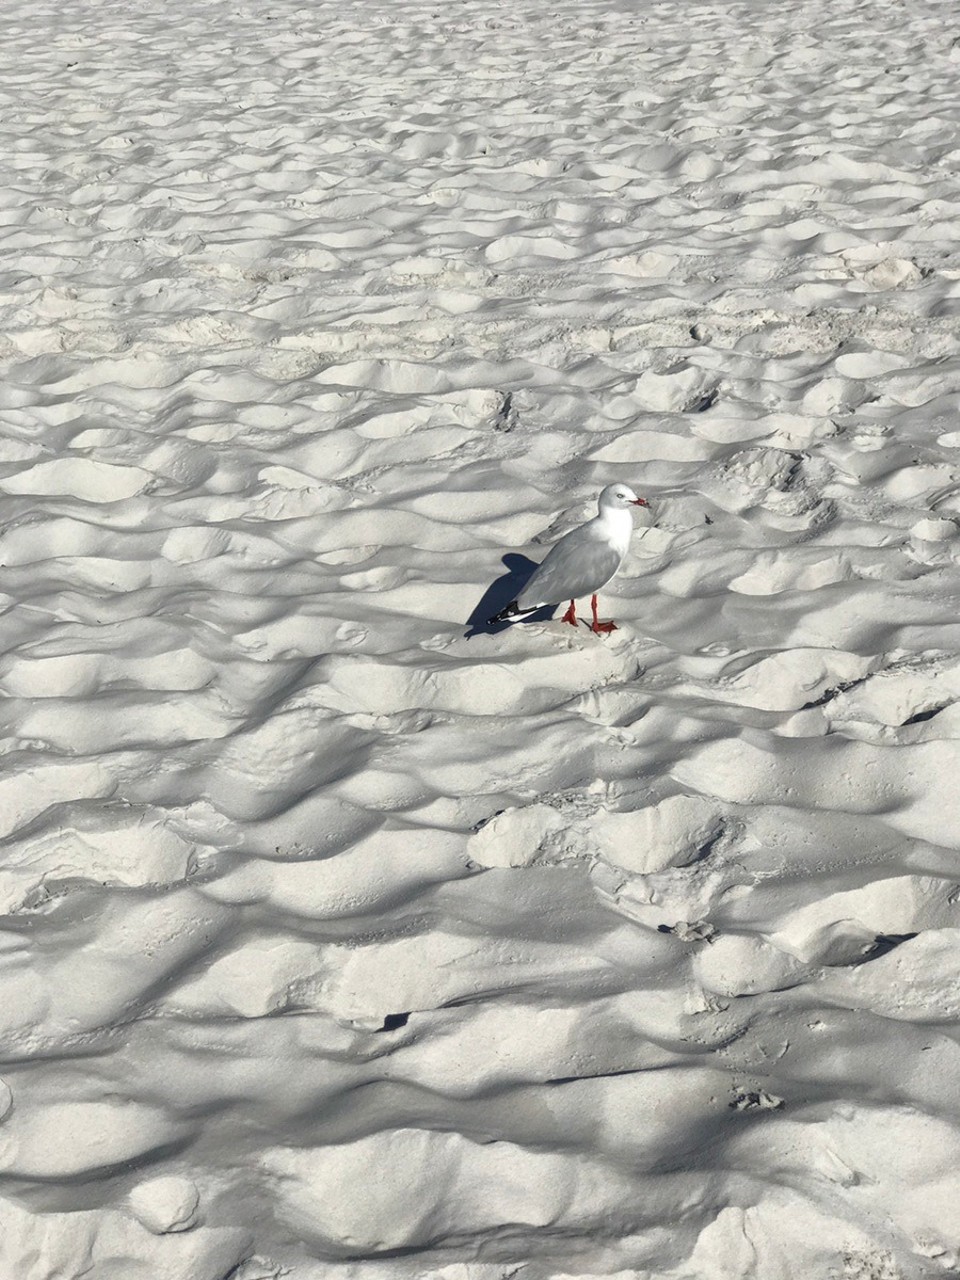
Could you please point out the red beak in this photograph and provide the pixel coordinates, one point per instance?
(640, 502)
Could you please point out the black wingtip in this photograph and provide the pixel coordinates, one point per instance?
(506, 613)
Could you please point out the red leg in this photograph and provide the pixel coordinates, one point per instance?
(601, 628)
(571, 614)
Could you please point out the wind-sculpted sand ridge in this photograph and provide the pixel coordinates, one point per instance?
(342, 932)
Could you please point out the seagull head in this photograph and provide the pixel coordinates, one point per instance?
(620, 495)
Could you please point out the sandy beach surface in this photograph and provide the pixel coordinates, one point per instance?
(341, 935)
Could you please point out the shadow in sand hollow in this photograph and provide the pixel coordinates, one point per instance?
(500, 593)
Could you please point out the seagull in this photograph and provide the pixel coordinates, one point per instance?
(583, 561)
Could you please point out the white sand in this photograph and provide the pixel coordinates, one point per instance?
(311, 313)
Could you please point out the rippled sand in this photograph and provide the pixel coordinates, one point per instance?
(341, 935)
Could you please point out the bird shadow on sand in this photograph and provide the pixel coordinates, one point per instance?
(499, 594)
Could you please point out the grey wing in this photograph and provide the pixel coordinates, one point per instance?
(574, 567)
